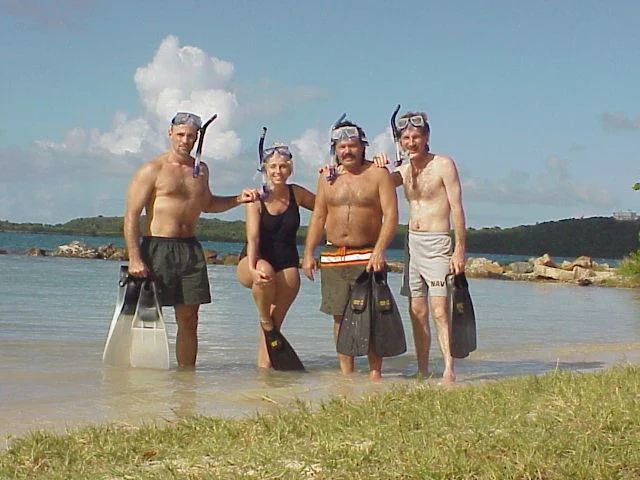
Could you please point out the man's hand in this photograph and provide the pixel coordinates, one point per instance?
(137, 268)
(457, 262)
(308, 266)
(248, 195)
(380, 159)
(376, 262)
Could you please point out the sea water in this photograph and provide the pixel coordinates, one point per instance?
(55, 314)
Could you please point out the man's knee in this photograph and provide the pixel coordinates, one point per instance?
(187, 318)
(419, 309)
(440, 313)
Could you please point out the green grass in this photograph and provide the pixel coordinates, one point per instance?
(557, 426)
(630, 266)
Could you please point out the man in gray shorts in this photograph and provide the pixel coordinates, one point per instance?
(359, 210)
(174, 194)
(432, 188)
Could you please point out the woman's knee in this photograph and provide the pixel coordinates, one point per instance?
(242, 273)
(267, 270)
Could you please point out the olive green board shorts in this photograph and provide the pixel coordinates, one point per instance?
(179, 269)
(339, 268)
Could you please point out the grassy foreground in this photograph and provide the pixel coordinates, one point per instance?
(558, 426)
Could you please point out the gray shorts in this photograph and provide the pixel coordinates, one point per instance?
(427, 263)
(180, 269)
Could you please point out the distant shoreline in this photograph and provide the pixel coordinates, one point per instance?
(597, 237)
(71, 237)
(581, 270)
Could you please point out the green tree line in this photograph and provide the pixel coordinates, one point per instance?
(602, 237)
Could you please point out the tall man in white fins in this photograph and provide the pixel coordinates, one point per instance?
(173, 200)
(432, 188)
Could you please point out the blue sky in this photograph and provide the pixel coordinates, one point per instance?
(538, 102)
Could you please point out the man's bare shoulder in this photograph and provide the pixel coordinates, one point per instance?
(153, 167)
(376, 172)
(157, 162)
(402, 169)
(439, 159)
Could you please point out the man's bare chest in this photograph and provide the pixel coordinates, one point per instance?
(350, 191)
(422, 184)
(179, 186)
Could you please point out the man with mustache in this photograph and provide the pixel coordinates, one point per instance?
(432, 188)
(359, 211)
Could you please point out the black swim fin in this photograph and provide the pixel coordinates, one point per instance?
(355, 330)
(281, 354)
(462, 317)
(388, 332)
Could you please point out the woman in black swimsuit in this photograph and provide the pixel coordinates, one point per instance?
(270, 267)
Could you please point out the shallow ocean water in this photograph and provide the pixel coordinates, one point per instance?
(55, 313)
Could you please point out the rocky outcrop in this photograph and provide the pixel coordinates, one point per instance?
(109, 252)
(230, 259)
(582, 271)
(210, 256)
(553, 273)
(544, 260)
(482, 267)
(396, 267)
(584, 262)
(78, 249)
(520, 268)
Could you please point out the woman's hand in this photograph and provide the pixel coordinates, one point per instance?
(260, 278)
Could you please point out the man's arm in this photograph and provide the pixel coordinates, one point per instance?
(389, 205)
(219, 204)
(453, 188)
(315, 230)
(381, 160)
(138, 195)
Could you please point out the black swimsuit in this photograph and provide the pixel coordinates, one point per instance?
(278, 235)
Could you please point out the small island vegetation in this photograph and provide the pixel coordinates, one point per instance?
(598, 237)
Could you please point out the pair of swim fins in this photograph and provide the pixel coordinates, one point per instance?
(281, 354)
(137, 335)
(371, 319)
(462, 316)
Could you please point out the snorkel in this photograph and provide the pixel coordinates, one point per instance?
(264, 192)
(196, 164)
(396, 138)
(333, 162)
